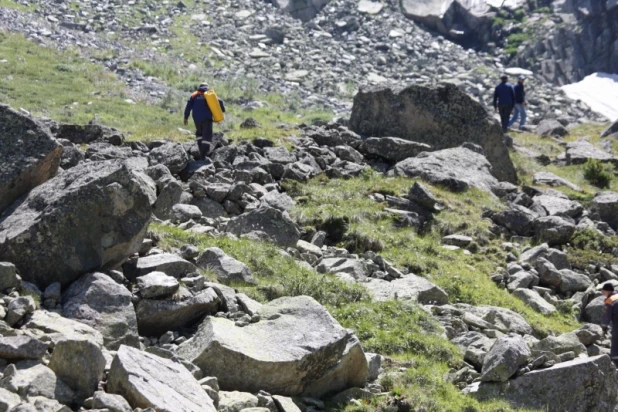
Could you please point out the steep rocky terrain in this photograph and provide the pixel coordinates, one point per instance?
(391, 252)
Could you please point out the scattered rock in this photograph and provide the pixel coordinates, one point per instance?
(148, 381)
(93, 216)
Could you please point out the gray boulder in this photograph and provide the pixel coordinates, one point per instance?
(296, 349)
(30, 155)
(31, 378)
(209, 207)
(155, 317)
(172, 155)
(458, 169)
(113, 403)
(228, 269)
(304, 10)
(409, 287)
(8, 400)
(593, 312)
(611, 130)
(535, 301)
(392, 149)
(168, 263)
(8, 276)
(93, 216)
(21, 347)
(354, 267)
(169, 195)
(504, 358)
(581, 385)
(573, 282)
(281, 201)
(502, 319)
(80, 364)
(559, 205)
(551, 127)
(156, 285)
(148, 381)
(605, 204)
(550, 179)
(96, 300)
(517, 219)
(443, 116)
(581, 151)
(273, 222)
(182, 213)
(567, 342)
(553, 230)
(52, 327)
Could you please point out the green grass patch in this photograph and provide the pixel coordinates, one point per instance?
(514, 41)
(14, 5)
(466, 278)
(66, 87)
(278, 275)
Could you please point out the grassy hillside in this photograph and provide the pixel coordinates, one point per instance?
(69, 87)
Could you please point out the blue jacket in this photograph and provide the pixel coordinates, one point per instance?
(520, 93)
(197, 105)
(504, 95)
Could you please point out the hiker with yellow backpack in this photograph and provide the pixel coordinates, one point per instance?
(207, 109)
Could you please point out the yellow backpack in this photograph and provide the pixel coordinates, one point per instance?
(213, 104)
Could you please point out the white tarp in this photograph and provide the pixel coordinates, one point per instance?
(599, 91)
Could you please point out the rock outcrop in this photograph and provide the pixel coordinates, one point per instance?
(30, 155)
(96, 300)
(443, 117)
(458, 169)
(93, 216)
(581, 385)
(149, 381)
(311, 355)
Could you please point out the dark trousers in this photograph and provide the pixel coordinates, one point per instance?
(203, 134)
(505, 111)
(614, 351)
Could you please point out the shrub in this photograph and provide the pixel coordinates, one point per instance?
(597, 173)
(519, 14)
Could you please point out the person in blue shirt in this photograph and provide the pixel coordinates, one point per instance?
(504, 101)
(202, 117)
(520, 103)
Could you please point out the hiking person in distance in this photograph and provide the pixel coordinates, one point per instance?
(520, 103)
(504, 101)
(202, 117)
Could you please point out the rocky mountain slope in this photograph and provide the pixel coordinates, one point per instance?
(364, 263)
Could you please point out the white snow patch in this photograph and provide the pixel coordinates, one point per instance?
(599, 91)
(517, 71)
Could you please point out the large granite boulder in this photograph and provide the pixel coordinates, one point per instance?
(155, 317)
(443, 116)
(273, 222)
(228, 269)
(31, 378)
(296, 349)
(605, 204)
(172, 155)
(458, 169)
(392, 149)
(581, 385)
(504, 358)
(96, 300)
(52, 327)
(409, 287)
(80, 364)
(148, 381)
(93, 216)
(581, 151)
(30, 155)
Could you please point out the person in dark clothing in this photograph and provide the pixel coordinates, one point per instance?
(202, 117)
(520, 103)
(610, 315)
(504, 101)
